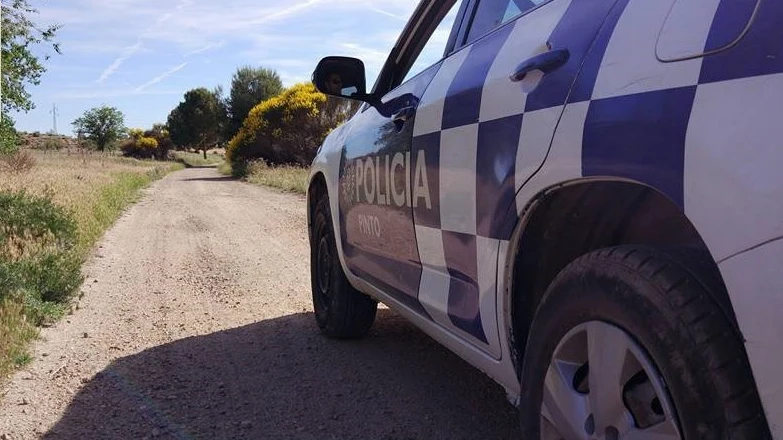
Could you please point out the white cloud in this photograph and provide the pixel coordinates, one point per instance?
(129, 51)
(386, 13)
(206, 47)
(112, 93)
(160, 77)
(124, 43)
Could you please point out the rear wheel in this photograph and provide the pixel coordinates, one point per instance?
(628, 343)
(340, 310)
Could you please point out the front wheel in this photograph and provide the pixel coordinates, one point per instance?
(629, 344)
(340, 310)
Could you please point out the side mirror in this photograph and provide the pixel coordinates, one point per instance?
(342, 77)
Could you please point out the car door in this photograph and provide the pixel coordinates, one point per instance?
(380, 181)
(484, 125)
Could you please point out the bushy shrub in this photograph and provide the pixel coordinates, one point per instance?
(147, 143)
(287, 128)
(140, 146)
(161, 134)
(37, 262)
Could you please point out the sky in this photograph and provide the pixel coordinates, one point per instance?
(141, 56)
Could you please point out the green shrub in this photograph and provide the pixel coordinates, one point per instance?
(37, 262)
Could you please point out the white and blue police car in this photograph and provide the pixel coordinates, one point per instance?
(581, 198)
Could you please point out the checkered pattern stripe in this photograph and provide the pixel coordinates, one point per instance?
(628, 115)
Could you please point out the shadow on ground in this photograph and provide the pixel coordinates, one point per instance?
(212, 179)
(280, 379)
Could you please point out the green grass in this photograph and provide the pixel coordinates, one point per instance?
(287, 178)
(197, 159)
(43, 274)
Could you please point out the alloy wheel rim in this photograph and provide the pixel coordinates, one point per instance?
(601, 385)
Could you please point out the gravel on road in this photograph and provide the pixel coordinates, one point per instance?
(195, 321)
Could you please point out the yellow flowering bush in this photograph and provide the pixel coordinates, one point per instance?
(285, 129)
(147, 143)
(140, 146)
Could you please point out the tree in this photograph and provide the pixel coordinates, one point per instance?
(19, 66)
(198, 121)
(102, 125)
(249, 87)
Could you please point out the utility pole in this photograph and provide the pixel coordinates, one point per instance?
(54, 118)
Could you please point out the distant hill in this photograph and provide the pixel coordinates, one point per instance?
(44, 141)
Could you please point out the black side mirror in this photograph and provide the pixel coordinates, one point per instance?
(342, 77)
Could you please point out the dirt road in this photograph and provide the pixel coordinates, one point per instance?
(196, 322)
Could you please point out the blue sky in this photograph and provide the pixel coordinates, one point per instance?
(142, 55)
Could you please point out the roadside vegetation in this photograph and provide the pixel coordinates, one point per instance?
(289, 178)
(51, 215)
(59, 193)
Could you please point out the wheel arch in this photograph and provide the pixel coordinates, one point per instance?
(565, 221)
(316, 188)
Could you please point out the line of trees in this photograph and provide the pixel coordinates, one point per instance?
(258, 120)
(205, 118)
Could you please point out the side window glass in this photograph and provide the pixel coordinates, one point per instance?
(436, 44)
(490, 14)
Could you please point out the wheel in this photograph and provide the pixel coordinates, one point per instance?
(340, 310)
(628, 343)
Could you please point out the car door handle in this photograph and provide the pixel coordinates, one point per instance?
(545, 62)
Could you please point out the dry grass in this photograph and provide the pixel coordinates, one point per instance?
(79, 182)
(287, 178)
(15, 333)
(20, 162)
(94, 189)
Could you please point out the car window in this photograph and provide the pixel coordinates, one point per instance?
(490, 14)
(434, 49)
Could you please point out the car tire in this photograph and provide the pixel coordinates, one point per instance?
(341, 311)
(654, 311)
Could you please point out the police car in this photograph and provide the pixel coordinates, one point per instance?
(581, 198)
